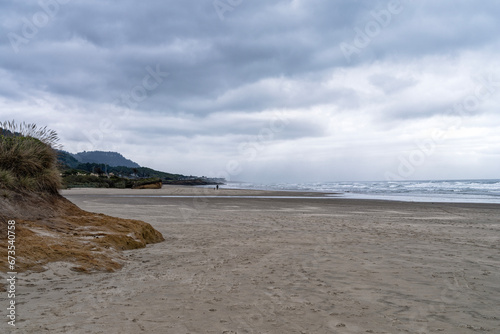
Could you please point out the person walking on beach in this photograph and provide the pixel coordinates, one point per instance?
(217, 187)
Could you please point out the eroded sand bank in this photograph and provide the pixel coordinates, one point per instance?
(261, 265)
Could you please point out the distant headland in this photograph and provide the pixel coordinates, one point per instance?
(98, 169)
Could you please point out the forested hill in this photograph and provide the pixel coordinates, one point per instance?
(112, 159)
(70, 165)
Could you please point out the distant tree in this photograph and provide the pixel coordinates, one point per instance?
(98, 171)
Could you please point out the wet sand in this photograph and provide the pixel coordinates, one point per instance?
(279, 265)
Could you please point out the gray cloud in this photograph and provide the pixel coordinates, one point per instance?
(226, 78)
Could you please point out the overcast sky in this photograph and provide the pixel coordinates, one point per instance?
(263, 90)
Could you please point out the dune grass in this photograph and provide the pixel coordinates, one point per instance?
(27, 163)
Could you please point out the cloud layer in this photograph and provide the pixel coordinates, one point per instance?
(263, 90)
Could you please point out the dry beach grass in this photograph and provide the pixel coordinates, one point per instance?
(50, 228)
(294, 265)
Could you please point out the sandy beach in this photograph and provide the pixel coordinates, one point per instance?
(298, 264)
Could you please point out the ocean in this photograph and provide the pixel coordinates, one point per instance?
(458, 191)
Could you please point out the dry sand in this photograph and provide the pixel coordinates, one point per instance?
(279, 265)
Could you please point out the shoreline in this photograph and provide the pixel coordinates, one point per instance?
(176, 191)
